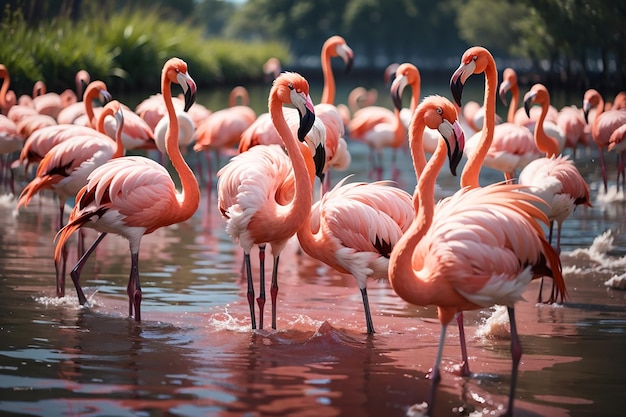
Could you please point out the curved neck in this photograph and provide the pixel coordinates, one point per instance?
(119, 149)
(471, 171)
(510, 116)
(402, 265)
(328, 93)
(90, 94)
(6, 80)
(299, 208)
(545, 143)
(399, 131)
(190, 191)
(415, 97)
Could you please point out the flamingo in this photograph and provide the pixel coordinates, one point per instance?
(617, 143)
(66, 166)
(571, 121)
(70, 113)
(41, 141)
(358, 98)
(271, 69)
(604, 124)
(554, 178)
(251, 188)
(380, 127)
(133, 195)
(222, 130)
(476, 60)
(10, 142)
(353, 228)
(7, 97)
(479, 247)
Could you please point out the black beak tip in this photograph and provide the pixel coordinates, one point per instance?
(456, 88)
(527, 106)
(306, 123)
(349, 65)
(190, 98)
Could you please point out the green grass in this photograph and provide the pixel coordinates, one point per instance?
(126, 49)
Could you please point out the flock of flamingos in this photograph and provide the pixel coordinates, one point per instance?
(479, 247)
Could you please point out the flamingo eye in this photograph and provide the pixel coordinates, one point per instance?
(439, 110)
(290, 86)
(474, 58)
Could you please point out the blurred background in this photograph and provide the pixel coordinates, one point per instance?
(578, 43)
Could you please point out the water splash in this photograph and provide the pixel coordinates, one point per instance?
(496, 326)
(617, 282)
(612, 195)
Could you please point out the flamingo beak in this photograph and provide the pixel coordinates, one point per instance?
(189, 89)
(306, 120)
(504, 88)
(455, 141)
(320, 161)
(105, 97)
(458, 79)
(586, 109)
(397, 87)
(528, 101)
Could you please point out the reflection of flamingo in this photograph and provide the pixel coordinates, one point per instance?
(479, 247)
(554, 178)
(605, 123)
(353, 229)
(251, 188)
(133, 196)
(66, 166)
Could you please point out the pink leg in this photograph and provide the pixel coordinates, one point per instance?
(134, 288)
(75, 273)
(250, 289)
(274, 290)
(465, 371)
(435, 374)
(261, 299)
(516, 355)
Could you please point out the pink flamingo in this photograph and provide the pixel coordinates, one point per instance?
(10, 143)
(271, 69)
(114, 199)
(70, 113)
(604, 124)
(222, 130)
(476, 60)
(7, 97)
(554, 178)
(41, 141)
(353, 228)
(65, 169)
(477, 248)
(358, 98)
(571, 120)
(380, 127)
(265, 196)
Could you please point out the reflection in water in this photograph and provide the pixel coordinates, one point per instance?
(194, 355)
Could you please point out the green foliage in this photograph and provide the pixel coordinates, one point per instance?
(126, 48)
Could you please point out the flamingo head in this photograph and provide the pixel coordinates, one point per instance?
(292, 88)
(538, 94)
(591, 99)
(439, 113)
(509, 80)
(337, 46)
(474, 61)
(405, 74)
(175, 70)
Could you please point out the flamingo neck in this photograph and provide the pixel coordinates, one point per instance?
(190, 196)
(510, 117)
(399, 131)
(471, 171)
(298, 210)
(328, 93)
(90, 95)
(403, 265)
(415, 94)
(545, 143)
(6, 80)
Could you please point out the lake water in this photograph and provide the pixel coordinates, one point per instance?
(195, 355)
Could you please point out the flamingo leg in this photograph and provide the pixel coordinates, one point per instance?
(134, 288)
(603, 168)
(274, 290)
(558, 249)
(261, 299)
(75, 273)
(516, 355)
(435, 374)
(368, 314)
(60, 268)
(465, 371)
(250, 289)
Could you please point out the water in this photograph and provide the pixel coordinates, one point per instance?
(194, 354)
